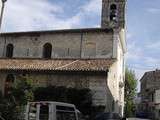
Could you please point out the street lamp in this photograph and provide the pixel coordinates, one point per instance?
(2, 10)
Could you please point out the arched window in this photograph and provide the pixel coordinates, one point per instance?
(47, 51)
(113, 12)
(113, 7)
(8, 84)
(9, 51)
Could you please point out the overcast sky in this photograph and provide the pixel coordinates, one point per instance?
(143, 24)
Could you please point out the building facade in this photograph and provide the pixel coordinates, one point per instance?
(150, 84)
(80, 58)
(157, 104)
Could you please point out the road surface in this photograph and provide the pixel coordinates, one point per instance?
(136, 119)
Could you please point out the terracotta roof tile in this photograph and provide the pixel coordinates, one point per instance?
(52, 65)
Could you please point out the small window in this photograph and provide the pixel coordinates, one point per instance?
(47, 51)
(152, 97)
(113, 7)
(9, 83)
(113, 105)
(9, 51)
(113, 12)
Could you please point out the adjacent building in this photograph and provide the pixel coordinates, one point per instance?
(80, 58)
(157, 104)
(150, 85)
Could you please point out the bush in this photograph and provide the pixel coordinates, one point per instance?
(8, 109)
(13, 104)
(82, 98)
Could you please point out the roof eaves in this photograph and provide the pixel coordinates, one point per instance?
(59, 31)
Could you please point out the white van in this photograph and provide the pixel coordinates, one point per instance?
(51, 111)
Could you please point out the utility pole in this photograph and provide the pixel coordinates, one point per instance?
(2, 10)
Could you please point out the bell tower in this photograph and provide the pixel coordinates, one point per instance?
(113, 13)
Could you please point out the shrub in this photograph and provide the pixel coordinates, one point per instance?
(82, 98)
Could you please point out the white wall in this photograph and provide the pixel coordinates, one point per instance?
(117, 72)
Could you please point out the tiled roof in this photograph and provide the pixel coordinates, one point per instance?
(151, 75)
(56, 65)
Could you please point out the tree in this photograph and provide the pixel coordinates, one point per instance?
(7, 108)
(23, 90)
(130, 92)
(12, 105)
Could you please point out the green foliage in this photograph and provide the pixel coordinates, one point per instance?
(130, 92)
(8, 109)
(130, 109)
(82, 98)
(130, 84)
(12, 105)
(23, 90)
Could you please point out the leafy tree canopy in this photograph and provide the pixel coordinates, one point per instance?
(12, 104)
(130, 92)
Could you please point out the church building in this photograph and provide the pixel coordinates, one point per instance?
(79, 58)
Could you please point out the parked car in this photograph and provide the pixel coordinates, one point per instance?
(143, 115)
(51, 111)
(109, 116)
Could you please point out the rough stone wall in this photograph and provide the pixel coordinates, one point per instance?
(64, 45)
(154, 80)
(149, 83)
(97, 83)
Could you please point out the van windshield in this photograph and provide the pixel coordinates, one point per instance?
(65, 113)
(44, 112)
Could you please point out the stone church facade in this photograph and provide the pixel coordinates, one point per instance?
(80, 58)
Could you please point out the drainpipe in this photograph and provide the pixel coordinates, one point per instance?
(81, 45)
(2, 11)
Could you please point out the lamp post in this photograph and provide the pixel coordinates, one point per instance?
(2, 10)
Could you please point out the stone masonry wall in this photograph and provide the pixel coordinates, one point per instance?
(97, 83)
(64, 45)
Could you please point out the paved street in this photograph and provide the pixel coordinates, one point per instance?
(136, 119)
